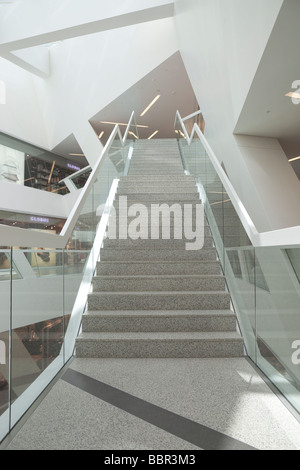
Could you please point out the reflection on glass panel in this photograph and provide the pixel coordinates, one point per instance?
(37, 317)
(240, 277)
(44, 262)
(5, 286)
(80, 180)
(278, 321)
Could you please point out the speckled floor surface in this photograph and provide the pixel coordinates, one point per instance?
(222, 401)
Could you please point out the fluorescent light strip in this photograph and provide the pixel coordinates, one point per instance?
(294, 159)
(101, 135)
(132, 133)
(76, 154)
(122, 124)
(150, 105)
(154, 133)
(293, 94)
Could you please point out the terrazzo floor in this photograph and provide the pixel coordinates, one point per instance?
(158, 404)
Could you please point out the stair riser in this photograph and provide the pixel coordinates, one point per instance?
(155, 301)
(156, 179)
(157, 269)
(162, 198)
(149, 204)
(163, 255)
(151, 244)
(158, 349)
(185, 323)
(155, 232)
(162, 285)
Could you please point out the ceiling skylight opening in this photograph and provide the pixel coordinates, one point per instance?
(294, 159)
(152, 135)
(150, 105)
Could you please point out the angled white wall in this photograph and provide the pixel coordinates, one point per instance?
(20, 111)
(222, 43)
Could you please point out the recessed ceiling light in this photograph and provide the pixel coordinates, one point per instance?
(152, 135)
(293, 94)
(294, 159)
(150, 105)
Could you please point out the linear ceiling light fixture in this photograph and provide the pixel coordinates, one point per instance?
(152, 135)
(122, 124)
(293, 94)
(101, 135)
(150, 105)
(76, 154)
(294, 159)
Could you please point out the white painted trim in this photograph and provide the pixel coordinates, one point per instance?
(191, 115)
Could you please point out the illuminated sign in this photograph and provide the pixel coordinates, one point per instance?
(43, 220)
(73, 167)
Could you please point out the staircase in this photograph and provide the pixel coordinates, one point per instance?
(153, 298)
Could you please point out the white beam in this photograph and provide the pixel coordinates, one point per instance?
(83, 29)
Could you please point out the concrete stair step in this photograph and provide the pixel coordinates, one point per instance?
(157, 283)
(158, 186)
(157, 268)
(156, 179)
(159, 321)
(161, 197)
(159, 300)
(148, 202)
(159, 345)
(157, 189)
(109, 254)
(151, 244)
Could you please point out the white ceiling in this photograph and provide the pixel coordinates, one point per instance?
(170, 80)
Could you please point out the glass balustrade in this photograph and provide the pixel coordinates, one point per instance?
(264, 282)
(41, 296)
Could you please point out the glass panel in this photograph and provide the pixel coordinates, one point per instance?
(80, 180)
(37, 323)
(240, 266)
(236, 255)
(5, 288)
(278, 320)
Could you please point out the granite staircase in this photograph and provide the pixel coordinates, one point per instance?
(151, 297)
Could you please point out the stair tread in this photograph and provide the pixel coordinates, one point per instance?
(166, 276)
(160, 313)
(160, 293)
(208, 336)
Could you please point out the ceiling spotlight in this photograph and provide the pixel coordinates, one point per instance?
(150, 105)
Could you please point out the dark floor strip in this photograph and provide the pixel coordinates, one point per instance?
(190, 431)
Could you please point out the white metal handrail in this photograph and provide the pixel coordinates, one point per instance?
(15, 236)
(287, 237)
